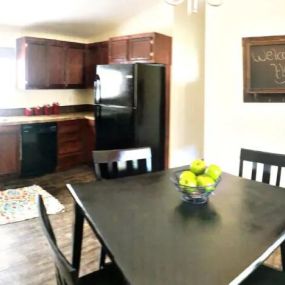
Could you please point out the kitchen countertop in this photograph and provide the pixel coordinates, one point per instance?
(19, 120)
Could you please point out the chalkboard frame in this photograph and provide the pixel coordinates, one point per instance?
(252, 94)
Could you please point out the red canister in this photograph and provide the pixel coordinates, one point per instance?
(38, 111)
(28, 112)
(47, 109)
(55, 108)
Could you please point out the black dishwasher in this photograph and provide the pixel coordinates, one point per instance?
(39, 149)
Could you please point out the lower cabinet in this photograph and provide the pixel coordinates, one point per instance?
(75, 142)
(9, 150)
(88, 140)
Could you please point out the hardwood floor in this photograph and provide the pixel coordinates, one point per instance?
(24, 254)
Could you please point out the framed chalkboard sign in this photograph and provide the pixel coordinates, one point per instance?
(264, 69)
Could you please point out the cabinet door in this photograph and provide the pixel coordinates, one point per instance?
(118, 50)
(70, 150)
(36, 71)
(74, 65)
(140, 49)
(55, 62)
(88, 135)
(9, 150)
(96, 54)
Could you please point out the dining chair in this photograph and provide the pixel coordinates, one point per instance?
(108, 164)
(121, 162)
(66, 274)
(268, 160)
(264, 275)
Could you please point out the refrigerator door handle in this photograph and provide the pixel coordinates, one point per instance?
(97, 112)
(97, 90)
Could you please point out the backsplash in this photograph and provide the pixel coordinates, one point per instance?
(62, 110)
(33, 98)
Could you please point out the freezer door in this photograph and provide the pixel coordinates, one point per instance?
(150, 115)
(114, 127)
(114, 85)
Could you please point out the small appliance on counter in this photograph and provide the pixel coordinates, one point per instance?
(39, 149)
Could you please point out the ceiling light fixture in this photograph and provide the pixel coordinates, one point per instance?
(192, 5)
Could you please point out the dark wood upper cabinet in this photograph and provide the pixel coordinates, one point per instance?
(56, 66)
(141, 49)
(147, 47)
(74, 67)
(47, 64)
(96, 53)
(31, 63)
(118, 50)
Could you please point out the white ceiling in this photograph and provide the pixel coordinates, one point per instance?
(83, 18)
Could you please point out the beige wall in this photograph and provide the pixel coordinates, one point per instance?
(229, 123)
(187, 90)
(13, 98)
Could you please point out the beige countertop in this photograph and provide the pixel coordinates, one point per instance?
(19, 120)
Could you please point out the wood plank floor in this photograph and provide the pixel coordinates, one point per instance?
(24, 254)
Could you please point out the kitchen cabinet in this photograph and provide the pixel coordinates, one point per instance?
(47, 64)
(56, 65)
(88, 136)
(31, 63)
(69, 144)
(9, 150)
(147, 47)
(118, 50)
(75, 142)
(96, 53)
(74, 66)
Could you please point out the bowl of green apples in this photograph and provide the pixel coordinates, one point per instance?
(197, 182)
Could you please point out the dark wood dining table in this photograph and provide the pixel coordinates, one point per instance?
(157, 239)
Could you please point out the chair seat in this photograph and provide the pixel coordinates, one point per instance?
(110, 275)
(265, 276)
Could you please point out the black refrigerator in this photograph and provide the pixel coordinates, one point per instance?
(129, 108)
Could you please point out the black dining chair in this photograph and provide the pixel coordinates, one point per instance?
(268, 160)
(118, 163)
(66, 274)
(121, 162)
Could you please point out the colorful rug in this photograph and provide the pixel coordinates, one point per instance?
(20, 204)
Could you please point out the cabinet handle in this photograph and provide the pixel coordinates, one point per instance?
(151, 42)
(151, 54)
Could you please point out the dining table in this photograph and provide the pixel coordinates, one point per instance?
(155, 238)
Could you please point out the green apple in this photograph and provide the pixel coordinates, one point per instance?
(188, 179)
(214, 171)
(206, 181)
(198, 166)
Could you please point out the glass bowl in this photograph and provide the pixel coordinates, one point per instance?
(195, 194)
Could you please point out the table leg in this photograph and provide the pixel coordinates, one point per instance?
(77, 236)
(102, 257)
(283, 255)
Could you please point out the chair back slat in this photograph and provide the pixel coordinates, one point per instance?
(253, 172)
(65, 273)
(266, 173)
(267, 159)
(121, 162)
(278, 176)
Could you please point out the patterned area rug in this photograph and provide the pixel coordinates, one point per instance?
(20, 204)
